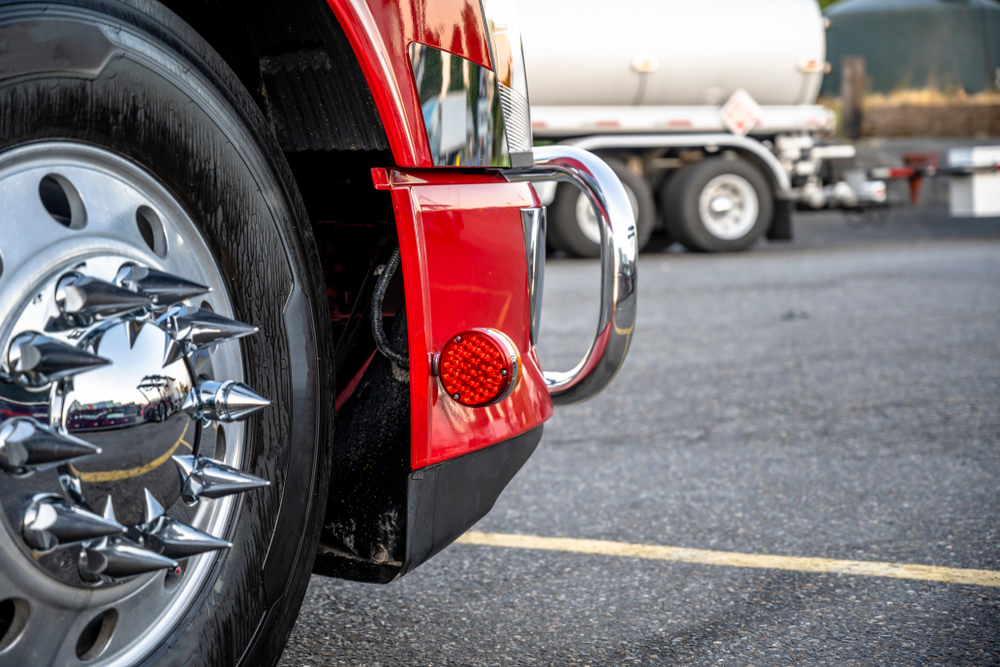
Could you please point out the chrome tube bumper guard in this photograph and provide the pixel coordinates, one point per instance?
(618, 267)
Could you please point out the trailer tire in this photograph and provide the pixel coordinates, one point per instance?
(717, 205)
(573, 226)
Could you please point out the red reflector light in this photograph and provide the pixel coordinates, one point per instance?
(479, 367)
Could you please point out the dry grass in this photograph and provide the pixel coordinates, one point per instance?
(926, 113)
(931, 97)
(919, 97)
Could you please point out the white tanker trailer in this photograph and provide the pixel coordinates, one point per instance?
(704, 108)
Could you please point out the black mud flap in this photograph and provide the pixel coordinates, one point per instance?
(781, 226)
(442, 502)
(447, 499)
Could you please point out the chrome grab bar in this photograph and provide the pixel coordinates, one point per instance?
(618, 266)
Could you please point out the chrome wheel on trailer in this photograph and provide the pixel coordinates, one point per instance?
(717, 205)
(163, 465)
(121, 401)
(728, 207)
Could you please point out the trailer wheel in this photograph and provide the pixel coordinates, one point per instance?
(573, 225)
(718, 205)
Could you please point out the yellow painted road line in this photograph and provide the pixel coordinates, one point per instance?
(948, 575)
(117, 475)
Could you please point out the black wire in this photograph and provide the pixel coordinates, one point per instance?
(383, 344)
(354, 309)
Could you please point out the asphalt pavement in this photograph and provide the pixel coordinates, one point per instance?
(834, 397)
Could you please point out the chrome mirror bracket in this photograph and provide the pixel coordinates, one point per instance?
(616, 321)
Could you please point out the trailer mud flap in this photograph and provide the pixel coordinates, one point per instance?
(781, 226)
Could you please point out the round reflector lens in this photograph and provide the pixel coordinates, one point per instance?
(478, 367)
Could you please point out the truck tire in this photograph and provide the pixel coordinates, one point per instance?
(573, 225)
(128, 147)
(717, 205)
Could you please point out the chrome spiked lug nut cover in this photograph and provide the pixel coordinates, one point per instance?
(49, 522)
(173, 538)
(204, 478)
(26, 446)
(89, 412)
(36, 360)
(223, 401)
(163, 288)
(86, 299)
(203, 327)
(117, 557)
(195, 329)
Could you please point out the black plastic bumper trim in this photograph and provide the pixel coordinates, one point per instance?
(446, 499)
(443, 501)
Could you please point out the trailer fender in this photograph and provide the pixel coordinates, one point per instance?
(746, 145)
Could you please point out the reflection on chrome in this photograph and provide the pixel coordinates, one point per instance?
(461, 107)
(132, 410)
(15, 401)
(134, 389)
(534, 226)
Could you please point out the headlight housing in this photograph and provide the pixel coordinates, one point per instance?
(476, 117)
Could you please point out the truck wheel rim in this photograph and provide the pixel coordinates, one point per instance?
(114, 334)
(587, 219)
(728, 207)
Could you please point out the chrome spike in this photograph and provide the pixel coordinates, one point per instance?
(223, 401)
(153, 510)
(204, 478)
(36, 360)
(72, 488)
(190, 404)
(197, 329)
(26, 445)
(89, 298)
(172, 351)
(173, 538)
(162, 288)
(118, 558)
(132, 329)
(51, 522)
(109, 510)
(203, 327)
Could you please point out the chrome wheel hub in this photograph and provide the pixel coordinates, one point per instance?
(120, 403)
(728, 207)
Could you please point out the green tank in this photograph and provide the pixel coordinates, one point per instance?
(913, 44)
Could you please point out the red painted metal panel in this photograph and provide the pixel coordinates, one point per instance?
(464, 266)
(381, 31)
